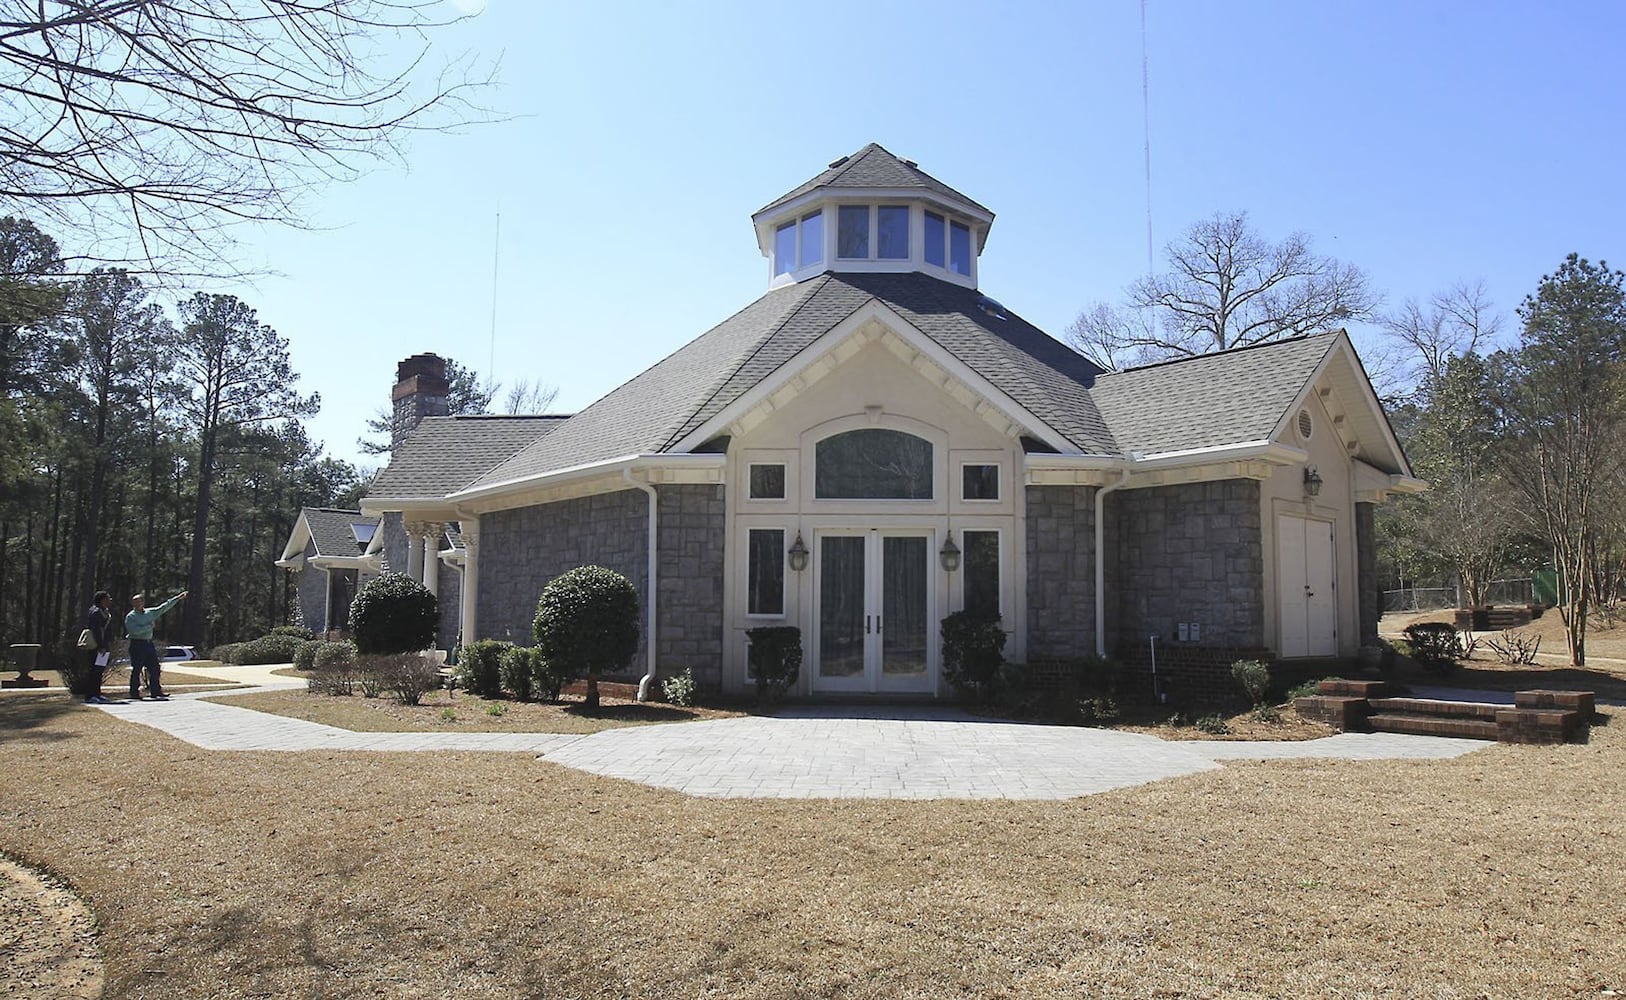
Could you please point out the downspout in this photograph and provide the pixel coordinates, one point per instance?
(649, 598)
(1101, 562)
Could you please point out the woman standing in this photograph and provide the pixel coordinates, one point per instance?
(100, 622)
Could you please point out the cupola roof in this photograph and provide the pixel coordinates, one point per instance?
(873, 168)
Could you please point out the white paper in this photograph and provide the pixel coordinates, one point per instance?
(101, 659)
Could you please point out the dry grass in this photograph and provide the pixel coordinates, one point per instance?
(467, 713)
(413, 875)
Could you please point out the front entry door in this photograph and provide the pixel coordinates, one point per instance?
(1309, 611)
(874, 612)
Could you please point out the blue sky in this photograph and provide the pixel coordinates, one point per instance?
(1427, 143)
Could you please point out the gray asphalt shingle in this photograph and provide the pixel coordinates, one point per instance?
(445, 454)
(872, 167)
(331, 530)
(1217, 399)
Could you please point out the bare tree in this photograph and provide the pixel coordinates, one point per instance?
(529, 397)
(1459, 321)
(155, 124)
(1226, 286)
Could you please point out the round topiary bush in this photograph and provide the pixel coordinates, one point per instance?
(587, 624)
(394, 613)
(775, 656)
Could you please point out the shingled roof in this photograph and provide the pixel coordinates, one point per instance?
(331, 530)
(444, 454)
(1233, 397)
(668, 401)
(873, 167)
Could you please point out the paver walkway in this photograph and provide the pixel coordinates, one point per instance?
(813, 752)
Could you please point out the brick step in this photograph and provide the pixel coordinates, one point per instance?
(1433, 725)
(1429, 706)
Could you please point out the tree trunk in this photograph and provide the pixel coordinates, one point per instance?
(192, 623)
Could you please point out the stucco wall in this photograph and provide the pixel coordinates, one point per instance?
(1186, 553)
(1060, 571)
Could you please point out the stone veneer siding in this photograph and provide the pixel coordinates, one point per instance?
(1187, 553)
(449, 600)
(1366, 571)
(522, 549)
(1061, 571)
(395, 543)
(310, 584)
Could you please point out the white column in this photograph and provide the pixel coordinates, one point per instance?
(415, 531)
(431, 560)
(471, 576)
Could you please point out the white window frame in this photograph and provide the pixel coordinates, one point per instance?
(784, 577)
(999, 483)
(784, 468)
(800, 263)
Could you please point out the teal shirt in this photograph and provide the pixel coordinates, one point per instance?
(138, 624)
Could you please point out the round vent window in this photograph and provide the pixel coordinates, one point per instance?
(1305, 427)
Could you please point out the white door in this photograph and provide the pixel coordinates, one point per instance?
(1305, 577)
(873, 610)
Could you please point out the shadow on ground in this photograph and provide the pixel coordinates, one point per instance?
(23, 716)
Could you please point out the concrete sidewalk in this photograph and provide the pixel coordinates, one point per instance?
(811, 752)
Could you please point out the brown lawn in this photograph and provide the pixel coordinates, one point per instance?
(460, 712)
(1499, 874)
(1604, 674)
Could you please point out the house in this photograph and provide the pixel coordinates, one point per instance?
(331, 554)
(875, 443)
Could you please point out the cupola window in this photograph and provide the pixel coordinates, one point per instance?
(888, 223)
(948, 243)
(799, 243)
(852, 232)
(892, 232)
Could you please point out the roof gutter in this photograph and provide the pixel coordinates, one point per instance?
(624, 464)
(649, 577)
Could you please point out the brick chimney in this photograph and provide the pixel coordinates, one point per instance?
(420, 391)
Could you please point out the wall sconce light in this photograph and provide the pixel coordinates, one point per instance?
(950, 555)
(798, 554)
(1312, 482)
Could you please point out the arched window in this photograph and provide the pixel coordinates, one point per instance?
(873, 464)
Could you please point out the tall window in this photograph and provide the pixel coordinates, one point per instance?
(765, 575)
(852, 231)
(981, 567)
(892, 232)
(936, 238)
(960, 248)
(873, 464)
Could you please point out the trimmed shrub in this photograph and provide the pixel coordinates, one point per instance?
(519, 666)
(266, 649)
(406, 676)
(587, 624)
(1213, 725)
(305, 654)
(1435, 645)
(679, 689)
(1253, 677)
(394, 613)
(479, 667)
(331, 655)
(776, 659)
(226, 652)
(973, 651)
(78, 669)
(297, 631)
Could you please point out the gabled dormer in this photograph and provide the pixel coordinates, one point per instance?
(872, 211)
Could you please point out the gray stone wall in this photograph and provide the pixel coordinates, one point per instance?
(395, 542)
(1061, 570)
(689, 582)
(1366, 571)
(311, 585)
(449, 599)
(522, 549)
(1187, 553)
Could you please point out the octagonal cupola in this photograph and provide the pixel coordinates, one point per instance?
(872, 211)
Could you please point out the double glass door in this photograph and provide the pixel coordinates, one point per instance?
(874, 611)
